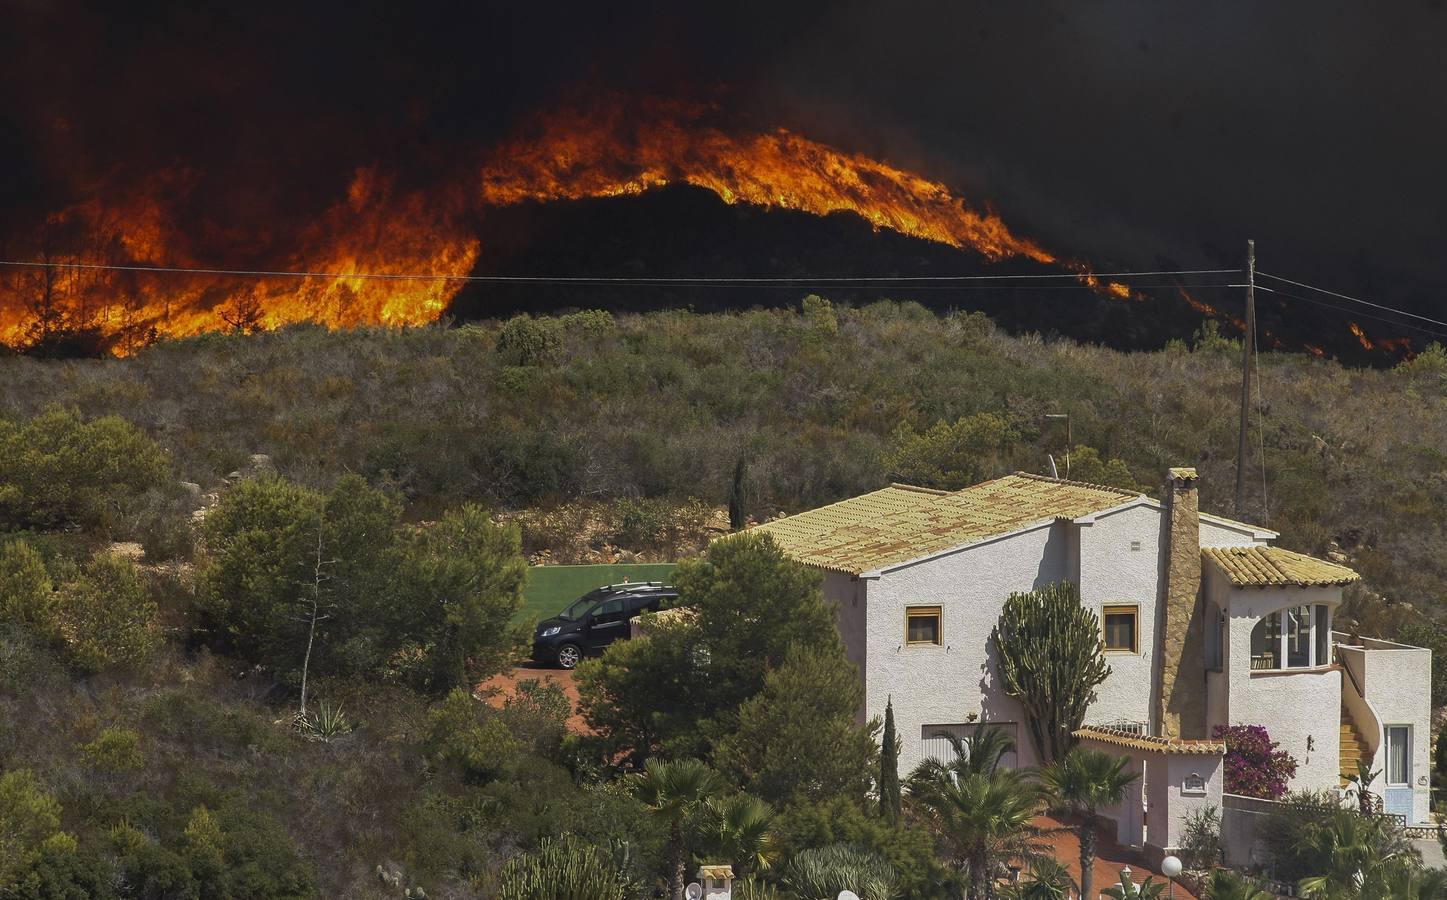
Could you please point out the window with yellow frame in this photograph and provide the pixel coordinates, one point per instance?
(1120, 625)
(923, 626)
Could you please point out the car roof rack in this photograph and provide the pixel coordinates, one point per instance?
(632, 584)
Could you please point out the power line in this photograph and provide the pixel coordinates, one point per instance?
(587, 279)
(1353, 312)
(1312, 287)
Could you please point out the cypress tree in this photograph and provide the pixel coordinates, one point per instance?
(737, 515)
(889, 769)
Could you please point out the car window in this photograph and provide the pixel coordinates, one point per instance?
(609, 608)
(577, 609)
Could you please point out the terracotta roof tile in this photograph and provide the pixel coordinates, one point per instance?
(1118, 738)
(1275, 567)
(900, 523)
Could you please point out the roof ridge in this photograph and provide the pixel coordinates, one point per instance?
(844, 501)
(1125, 492)
(1243, 523)
(916, 488)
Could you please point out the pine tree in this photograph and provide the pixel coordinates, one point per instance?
(889, 769)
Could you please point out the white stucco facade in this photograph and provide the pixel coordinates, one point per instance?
(950, 683)
(1115, 558)
(1118, 556)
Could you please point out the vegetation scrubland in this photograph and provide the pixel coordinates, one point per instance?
(274, 698)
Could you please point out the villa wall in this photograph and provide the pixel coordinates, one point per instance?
(944, 685)
(1121, 561)
(1398, 682)
(1300, 708)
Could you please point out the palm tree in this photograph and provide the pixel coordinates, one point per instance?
(979, 813)
(1227, 885)
(741, 828)
(674, 791)
(1363, 856)
(1081, 783)
(978, 753)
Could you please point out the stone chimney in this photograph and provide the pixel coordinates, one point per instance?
(1182, 701)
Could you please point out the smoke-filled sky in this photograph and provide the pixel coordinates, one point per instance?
(1132, 133)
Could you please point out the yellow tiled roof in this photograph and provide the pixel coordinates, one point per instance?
(1273, 566)
(1118, 738)
(900, 523)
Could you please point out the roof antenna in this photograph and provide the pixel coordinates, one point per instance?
(1053, 472)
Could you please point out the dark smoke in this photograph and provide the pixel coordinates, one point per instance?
(1136, 134)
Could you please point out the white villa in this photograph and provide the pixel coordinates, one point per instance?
(1203, 623)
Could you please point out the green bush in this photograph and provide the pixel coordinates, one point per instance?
(27, 596)
(525, 341)
(640, 522)
(30, 835)
(108, 615)
(60, 471)
(952, 455)
(826, 871)
(114, 750)
(464, 733)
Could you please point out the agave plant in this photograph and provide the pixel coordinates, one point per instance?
(562, 869)
(1129, 890)
(325, 724)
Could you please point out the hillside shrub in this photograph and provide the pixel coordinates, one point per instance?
(526, 341)
(464, 733)
(108, 615)
(952, 455)
(60, 471)
(27, 595)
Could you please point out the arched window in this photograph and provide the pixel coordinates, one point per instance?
(1298, 637)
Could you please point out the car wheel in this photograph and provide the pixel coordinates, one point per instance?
(569, 655)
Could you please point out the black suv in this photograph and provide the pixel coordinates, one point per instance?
(595, 620)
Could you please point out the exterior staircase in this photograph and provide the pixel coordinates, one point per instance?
(1353, 747)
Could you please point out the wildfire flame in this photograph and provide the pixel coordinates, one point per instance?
(379, 229)
(603, 153)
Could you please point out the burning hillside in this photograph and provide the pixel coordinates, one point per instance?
(359, 261)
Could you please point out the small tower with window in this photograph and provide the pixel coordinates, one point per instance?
(717, 882)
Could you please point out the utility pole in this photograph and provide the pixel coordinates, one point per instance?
(1248, 340)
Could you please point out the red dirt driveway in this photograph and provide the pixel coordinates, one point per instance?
(497, 689)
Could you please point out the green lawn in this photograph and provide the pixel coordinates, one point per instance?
(550, 588)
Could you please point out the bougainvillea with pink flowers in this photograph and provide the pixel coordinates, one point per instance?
(1255, 766)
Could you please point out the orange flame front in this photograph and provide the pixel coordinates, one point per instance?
(378, 229)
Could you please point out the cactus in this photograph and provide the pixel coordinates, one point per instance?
(562, 870)
(823, 872)
(1051, 661)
